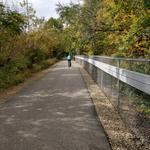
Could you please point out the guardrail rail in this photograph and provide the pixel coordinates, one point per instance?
(126, 83)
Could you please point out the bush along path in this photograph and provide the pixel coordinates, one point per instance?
(32, 76)
(17, 71)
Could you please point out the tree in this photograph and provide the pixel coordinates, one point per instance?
(12, 24)
(107, 27)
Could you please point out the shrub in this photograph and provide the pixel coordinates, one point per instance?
(18, 78)
(36, 68)
(36, 55)
(46, 63)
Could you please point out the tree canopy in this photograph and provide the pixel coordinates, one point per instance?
(108, 27)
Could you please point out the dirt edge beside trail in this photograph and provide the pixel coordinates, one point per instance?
(118, 134)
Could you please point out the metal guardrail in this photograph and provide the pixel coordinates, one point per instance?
(126, 83)
(125, 59)
(137, 80)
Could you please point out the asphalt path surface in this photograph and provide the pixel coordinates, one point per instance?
(53, 113)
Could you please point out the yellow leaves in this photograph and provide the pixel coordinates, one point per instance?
(123, 21)
(103, 13)
(78, 34)
(113, 38)
(108, 2)
(141, 44)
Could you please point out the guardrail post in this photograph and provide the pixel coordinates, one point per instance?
(118, 85)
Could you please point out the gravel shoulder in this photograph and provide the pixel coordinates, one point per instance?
(120, 136)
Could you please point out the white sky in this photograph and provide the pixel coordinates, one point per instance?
(44, 8)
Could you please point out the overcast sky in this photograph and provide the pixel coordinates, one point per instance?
(46, 8)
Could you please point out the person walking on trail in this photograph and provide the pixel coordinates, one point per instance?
(69, 60)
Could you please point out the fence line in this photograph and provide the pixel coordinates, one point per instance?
(126, 86)
(137, 80)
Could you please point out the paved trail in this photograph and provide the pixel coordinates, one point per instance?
(53, 113)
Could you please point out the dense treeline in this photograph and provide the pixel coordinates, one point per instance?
(95, 27)
(108, 27)
(26, 44)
